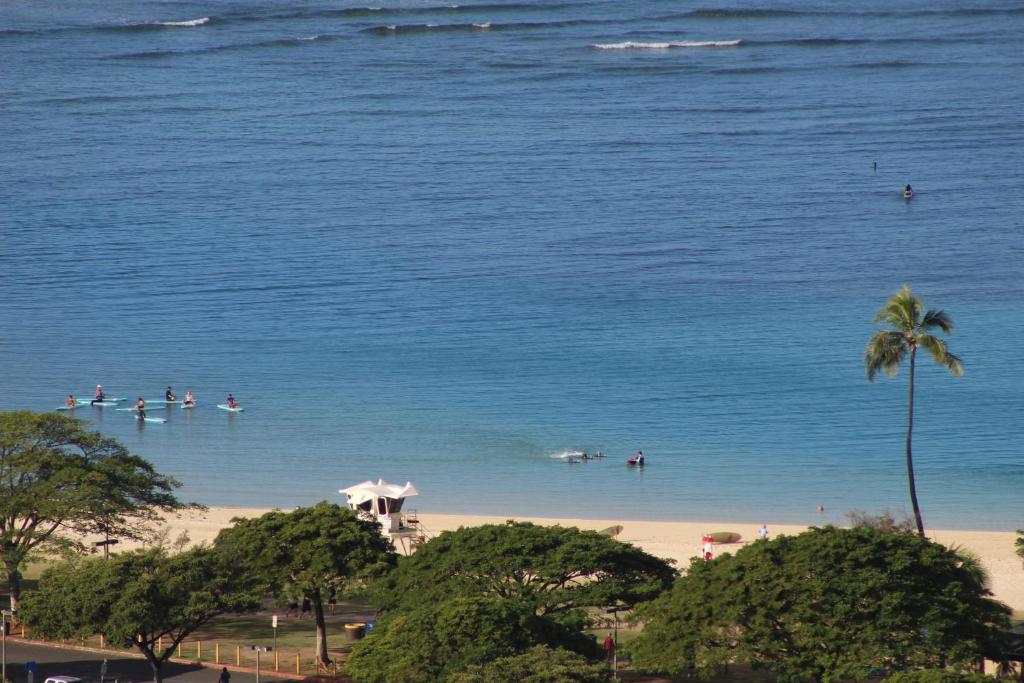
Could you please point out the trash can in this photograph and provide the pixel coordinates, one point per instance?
(355, 631)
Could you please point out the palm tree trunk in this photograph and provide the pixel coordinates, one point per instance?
(910, 458)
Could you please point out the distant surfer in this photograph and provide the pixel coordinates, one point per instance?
(99, 396)
(908, 191)
(140, 408)
(189, 400)
(70, 402)
(169, 395)
(232, 403)
(637, 459)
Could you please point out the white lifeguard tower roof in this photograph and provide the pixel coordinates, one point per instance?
(368, 490)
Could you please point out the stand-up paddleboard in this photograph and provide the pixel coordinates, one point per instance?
(159, 420)
(160, 401)
(98, 403)
(224, 406)
(186, 406)
(126, 410)
(106, 399)
(67, 408)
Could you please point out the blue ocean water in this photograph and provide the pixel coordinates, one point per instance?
(445, 242)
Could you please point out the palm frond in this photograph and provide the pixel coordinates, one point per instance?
(885, 351)
(938, 350)
(902, 310)
(939, 319)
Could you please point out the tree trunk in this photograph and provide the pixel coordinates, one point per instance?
(155, 663)
(321, 630)
(13, 583)
(910, 458)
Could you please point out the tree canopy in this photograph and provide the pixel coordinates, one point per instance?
(826, 604)
(551, 569)
(539, 664)
(433, 641)
(135, 599)
(312, 551)
(59, 481)
(1019, 543)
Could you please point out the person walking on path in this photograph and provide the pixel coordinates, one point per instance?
(609, 648)
(225, 676)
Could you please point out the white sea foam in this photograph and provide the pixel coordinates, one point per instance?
(186, 24)
(566, 454)
(635, 45)
(484, 25)
(314, 37)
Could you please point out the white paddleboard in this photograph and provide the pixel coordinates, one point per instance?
(106, 399)
(224, 406)
(151, 419)
(161, 401)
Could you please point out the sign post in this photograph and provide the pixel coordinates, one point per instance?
(257, 649)
(3, 627)
(273, 624)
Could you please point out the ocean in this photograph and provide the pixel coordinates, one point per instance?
(448, 243)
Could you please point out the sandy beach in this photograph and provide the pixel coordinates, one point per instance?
(678, 541)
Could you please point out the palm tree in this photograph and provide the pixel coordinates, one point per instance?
(886, 350)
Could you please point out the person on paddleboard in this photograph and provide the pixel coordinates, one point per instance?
(169, 395)
(232, 403)
(70, 402)
(189, 401)
(99, 395)
(140, 408)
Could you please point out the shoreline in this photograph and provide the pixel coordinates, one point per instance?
(674, 540)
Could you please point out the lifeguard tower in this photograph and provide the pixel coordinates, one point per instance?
(382, 502)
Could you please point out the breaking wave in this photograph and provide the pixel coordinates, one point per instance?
(637, 45)
(189, 23)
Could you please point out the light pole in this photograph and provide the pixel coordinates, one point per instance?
(3, 627)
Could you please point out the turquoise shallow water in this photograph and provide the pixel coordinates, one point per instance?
(445, 242)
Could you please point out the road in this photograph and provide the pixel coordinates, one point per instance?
(54, 661)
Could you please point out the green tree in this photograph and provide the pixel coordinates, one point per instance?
(539, 664)
(1020, 543)
(910, 328)
(938, 676)
(433, 641)
(827, 604)
(554, 570)
(135, 599)
(315, 550)
(59, 481)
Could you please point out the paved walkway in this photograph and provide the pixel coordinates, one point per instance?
(55, 661)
